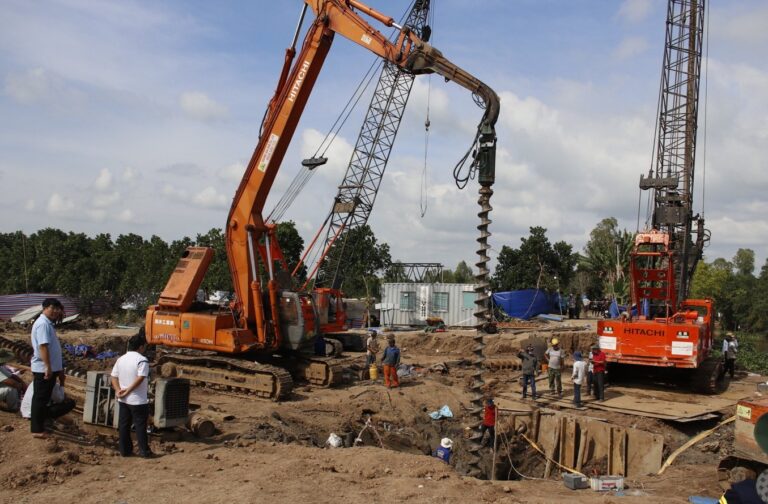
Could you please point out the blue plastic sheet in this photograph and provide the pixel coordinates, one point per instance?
(444, 412)
(527, 303)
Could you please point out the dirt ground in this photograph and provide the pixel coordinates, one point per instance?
(276, 452)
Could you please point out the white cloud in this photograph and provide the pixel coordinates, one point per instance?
(29, 205)
(635, 11)
(233, 172)
(104, 200)
(210, 198)
(96, 214)
(29, 87)
(125, 216)
(129, 175)
(629, 47)
(338, 154)
(199, 106)
(176, 193)
(104, 180)
(59, 205)
(38, 85)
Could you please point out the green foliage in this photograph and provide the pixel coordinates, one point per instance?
(99, 269)
(740, 298)
(606, 260)
(537, 263)
(292, 245)
(365, 260)
(752, 354)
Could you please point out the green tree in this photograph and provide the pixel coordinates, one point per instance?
(537, 263)
(606, 260)
(218, 276)
(744, 262)
(463, 273)
(292, 245)
(366, 258)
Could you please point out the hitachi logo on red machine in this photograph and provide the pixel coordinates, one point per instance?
(643, 332)
(299, 81)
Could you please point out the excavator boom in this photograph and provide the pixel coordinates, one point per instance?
(266, 316)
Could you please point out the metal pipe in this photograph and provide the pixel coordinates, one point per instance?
(251, 255)
(298, 27)
(269, 256)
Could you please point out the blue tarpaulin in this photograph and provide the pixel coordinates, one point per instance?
(526, 304)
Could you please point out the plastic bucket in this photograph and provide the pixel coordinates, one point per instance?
(544, 367)
(373, 372)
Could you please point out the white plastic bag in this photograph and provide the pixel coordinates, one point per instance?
(334, 441)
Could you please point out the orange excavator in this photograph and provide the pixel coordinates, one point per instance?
(268, 332)
(666, 329)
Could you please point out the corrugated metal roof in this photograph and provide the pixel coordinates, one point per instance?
(11, 304)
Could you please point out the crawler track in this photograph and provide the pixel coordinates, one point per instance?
(262, 380)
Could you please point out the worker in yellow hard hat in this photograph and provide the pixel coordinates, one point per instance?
(554, 357)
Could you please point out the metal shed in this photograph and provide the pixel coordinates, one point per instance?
(412, 303)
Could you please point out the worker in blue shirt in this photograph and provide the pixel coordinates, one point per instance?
(444, 451)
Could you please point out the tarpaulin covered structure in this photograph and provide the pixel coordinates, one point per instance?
(527, 303)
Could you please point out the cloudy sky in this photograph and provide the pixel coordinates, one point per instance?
(133, 116)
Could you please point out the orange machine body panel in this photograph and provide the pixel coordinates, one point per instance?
(200, 330)
(181, 289)
(748, 412)
(331, 310)
(680, 341)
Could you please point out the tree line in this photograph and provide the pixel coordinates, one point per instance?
(130, 267)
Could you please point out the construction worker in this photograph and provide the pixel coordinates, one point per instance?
(730, 347)
(444, 451)
(743, 492)
(530, 364)
(554, 356)
(372, 348)
(577, 376)
(489, 422)
(599, 364)
(390, 360)
(11, 386)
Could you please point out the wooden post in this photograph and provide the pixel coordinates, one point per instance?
(536, 420)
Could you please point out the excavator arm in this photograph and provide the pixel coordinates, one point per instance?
(245, 225)
(255, 321)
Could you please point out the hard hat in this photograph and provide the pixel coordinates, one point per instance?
(446, 443)
(372, 332)
(577, 355)
(555, 341)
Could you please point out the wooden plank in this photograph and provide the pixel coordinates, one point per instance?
(617, 463)
(581, 453)
(570, 442)
(554, 450)
(644, 452)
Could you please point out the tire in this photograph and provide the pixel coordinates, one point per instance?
(710, 377)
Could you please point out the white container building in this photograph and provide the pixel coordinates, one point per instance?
(411, 304)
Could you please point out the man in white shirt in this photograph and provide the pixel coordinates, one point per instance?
(578, 375)
(730, 347)
(129, 379)
(47, 364)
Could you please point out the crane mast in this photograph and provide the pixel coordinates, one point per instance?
(357, 192)
(665, 257)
